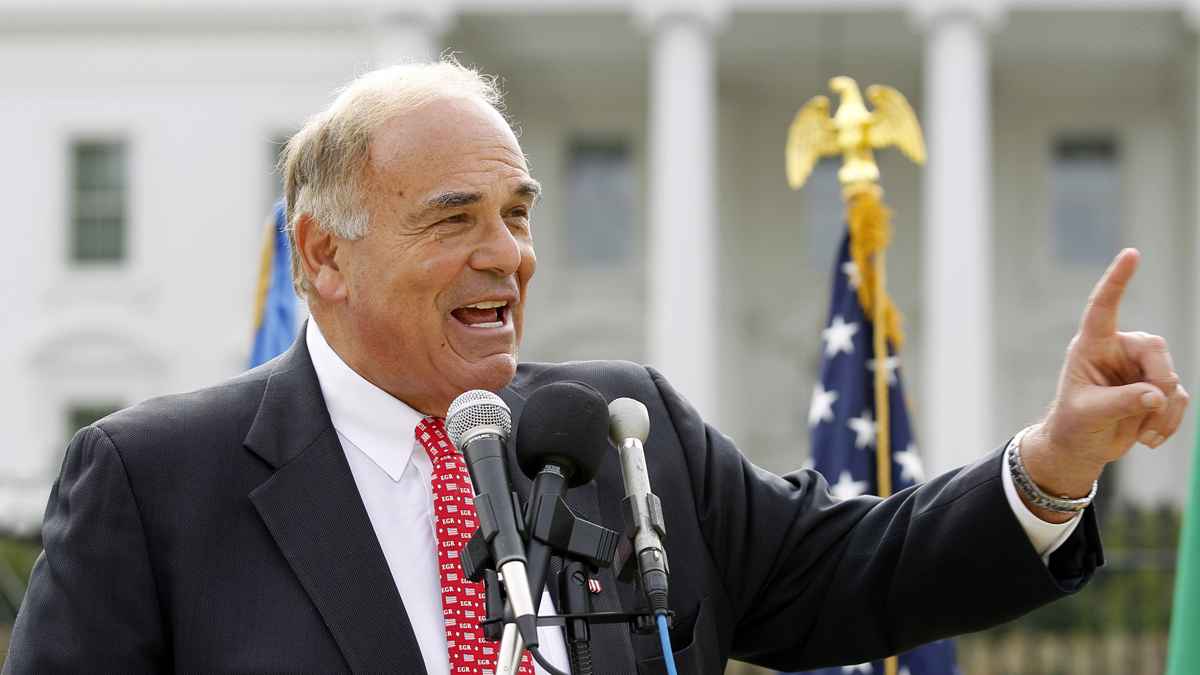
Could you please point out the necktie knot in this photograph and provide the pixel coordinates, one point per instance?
(431, 434)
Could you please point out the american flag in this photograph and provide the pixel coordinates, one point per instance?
(842, 424)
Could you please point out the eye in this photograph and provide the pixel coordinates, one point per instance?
(456, 219)
(519, 212)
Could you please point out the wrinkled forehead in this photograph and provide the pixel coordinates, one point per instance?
(444, 137)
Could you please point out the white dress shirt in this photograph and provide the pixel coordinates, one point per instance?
(392, 472)
(1045, 537)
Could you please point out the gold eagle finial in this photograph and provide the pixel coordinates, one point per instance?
(853, 132)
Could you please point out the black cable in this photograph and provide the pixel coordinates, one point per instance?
(581, 658)
(546, 665)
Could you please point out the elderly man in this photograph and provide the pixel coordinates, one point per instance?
(285, 520)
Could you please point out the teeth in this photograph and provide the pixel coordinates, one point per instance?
(490, 324)
(488, 304)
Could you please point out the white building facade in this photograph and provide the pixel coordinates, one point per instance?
(139, 140)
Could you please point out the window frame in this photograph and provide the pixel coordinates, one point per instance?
(76, 256)
(625, 249)
(1113, 153)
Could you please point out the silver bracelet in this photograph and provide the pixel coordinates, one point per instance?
(1038, 496)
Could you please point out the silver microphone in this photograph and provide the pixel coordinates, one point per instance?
(628, 427)
(479, 424)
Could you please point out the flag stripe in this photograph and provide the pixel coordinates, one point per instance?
(844, 427)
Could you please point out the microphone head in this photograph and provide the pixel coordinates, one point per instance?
(477, 410)
(563, 423)
(627, 418)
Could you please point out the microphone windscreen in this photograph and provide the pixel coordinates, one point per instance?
(564, 423)
(474, 409)
(627, 418)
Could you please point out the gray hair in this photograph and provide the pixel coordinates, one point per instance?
(322, 164)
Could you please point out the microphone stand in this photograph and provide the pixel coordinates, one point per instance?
(583, 546)
(577, 599)
(548, 487)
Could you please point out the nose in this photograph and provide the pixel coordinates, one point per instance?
(498, 250)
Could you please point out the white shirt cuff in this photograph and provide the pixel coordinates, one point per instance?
(1045, 537)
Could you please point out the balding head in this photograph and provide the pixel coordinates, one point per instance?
(324, 163)
(421, 288)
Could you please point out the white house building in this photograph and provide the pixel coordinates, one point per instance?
(138, 141)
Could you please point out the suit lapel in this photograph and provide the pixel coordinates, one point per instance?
(612, 648)
(312, 508)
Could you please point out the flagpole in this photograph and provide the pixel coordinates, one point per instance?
(854, 133)
(870, 233)
(883, 455)
(869, 223)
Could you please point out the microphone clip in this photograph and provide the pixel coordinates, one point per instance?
(558, 527)
(634, 510)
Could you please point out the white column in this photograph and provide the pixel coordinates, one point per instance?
(957, 380)
(413, 35)
(681, 316)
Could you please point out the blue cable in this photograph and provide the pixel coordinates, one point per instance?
(665, 639)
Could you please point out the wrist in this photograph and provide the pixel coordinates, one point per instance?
(1054, 472)
(1057, 470)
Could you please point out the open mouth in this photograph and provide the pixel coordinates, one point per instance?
(485, 314)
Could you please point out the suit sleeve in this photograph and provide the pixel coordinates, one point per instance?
(91, 603)
(815, 581)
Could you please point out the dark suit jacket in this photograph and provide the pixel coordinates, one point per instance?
(222, 531)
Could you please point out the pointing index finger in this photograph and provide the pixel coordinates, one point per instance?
(1100, 315)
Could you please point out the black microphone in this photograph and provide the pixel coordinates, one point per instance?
(561, 441)
(629, 425)
(479, 424)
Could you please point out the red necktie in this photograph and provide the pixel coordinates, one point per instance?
(454, 515)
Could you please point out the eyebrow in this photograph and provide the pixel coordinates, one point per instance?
(451, 200)
(458, 199)
(530, 188)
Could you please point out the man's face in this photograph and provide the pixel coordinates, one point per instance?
(436, 289)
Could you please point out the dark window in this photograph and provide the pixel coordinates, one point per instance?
(275, 153)
(824, 214)
(79, 415)
(99, 201)
(600, 202)
(1085, 199)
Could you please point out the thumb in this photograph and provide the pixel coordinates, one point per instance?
(1118, 403)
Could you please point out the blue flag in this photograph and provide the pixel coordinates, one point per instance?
(842, 423)
(275, 304)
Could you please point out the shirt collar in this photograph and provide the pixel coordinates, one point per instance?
(381, 425)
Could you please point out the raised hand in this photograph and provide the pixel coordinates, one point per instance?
(1115, 389)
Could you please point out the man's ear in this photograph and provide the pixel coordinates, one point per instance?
(318, 250)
